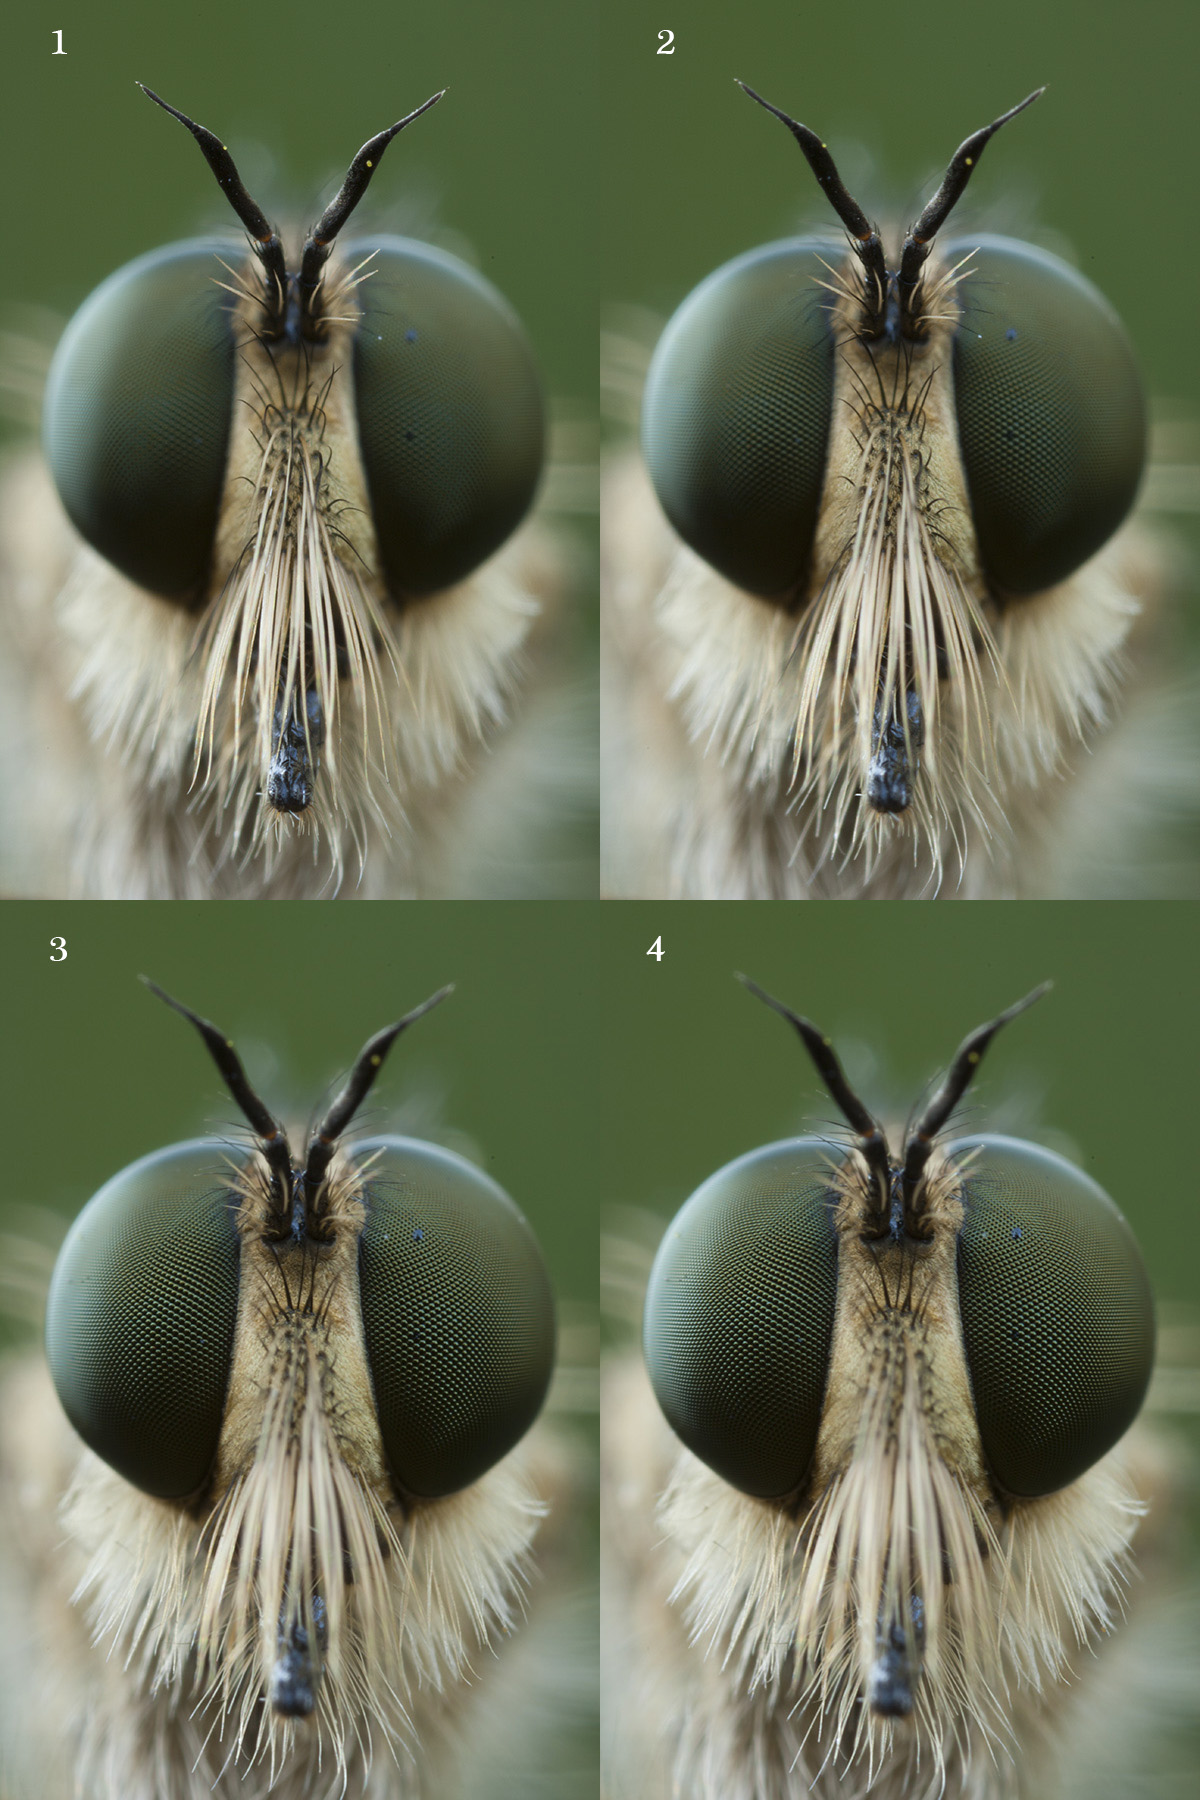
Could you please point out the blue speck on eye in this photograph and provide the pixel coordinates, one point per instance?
(1016, 1234)
(418, 1235)
(1011, 333)
(410, 336)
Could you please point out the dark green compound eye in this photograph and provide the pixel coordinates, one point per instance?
(450, 415)
(141, 1314)
(1057, 1315)
(735, 420)
(457, 1314)
(739, 1315)
(138, 410)
(1051, 413)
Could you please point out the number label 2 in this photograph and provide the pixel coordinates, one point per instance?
(666, 43)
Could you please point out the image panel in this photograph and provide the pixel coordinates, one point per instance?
(900, 1394)
(901, 477)
(297, 1426)
(297, 589)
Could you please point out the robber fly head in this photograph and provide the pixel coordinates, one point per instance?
(285, 458)
(297, 1368)
(902, 455)
(901, 1363)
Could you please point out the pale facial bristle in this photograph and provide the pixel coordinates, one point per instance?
(791, 1608)
(193, 1613)
(895, 618)
(274, 633)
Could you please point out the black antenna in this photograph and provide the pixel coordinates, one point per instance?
(920, 1137)
(358, 177)
(267, 244)
(359, 1083)
(271, 1139)
(867, 243)
(962, 165)
(888, 295)
(870, 1140)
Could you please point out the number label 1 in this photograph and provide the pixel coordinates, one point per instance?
(59, 947)
(666, 43)
(656, 950)
(60, 51)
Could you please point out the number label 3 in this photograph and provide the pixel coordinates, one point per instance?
(666, 44)
(58, 948)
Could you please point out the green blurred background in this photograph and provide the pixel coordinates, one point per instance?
(503, 171)
(99, 1072)
(96, 1072)
(692, 1070)
(591, 1075)
(588, 1073)
(694, 172)
(97, 176)
(1101, 169)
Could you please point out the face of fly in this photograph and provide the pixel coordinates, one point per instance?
(899, 1511)
(293, 461)
(908, 454)
(286, 1525)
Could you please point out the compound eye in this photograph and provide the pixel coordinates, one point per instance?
(1051, 413)
(450, 415)
(457, 1314)
(735, 420)
(1057, 1316)
(739, 1315)
(137, 416)
(141, 1314)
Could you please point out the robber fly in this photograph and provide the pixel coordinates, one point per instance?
(295, 1518)
(261, 618)
(873, 1518)
(870, 627)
